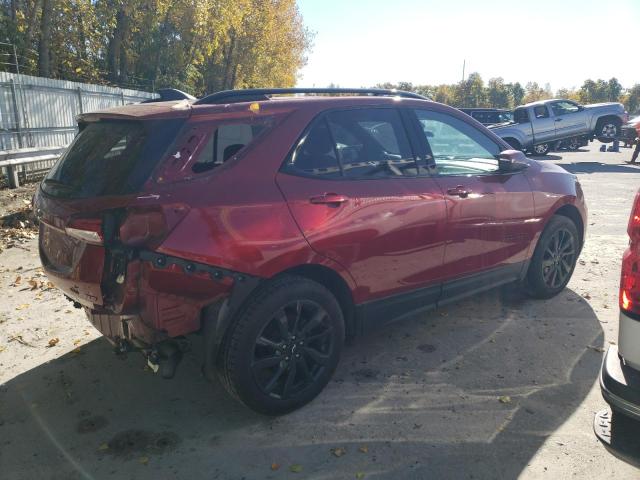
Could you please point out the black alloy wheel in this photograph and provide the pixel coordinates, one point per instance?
(554, 258)
(283, 346)
(293, 349)
(559, 258)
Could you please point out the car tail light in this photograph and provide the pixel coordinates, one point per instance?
(86, 229)
(630, 279)
(150, 225)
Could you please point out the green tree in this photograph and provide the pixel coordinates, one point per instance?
(470, 92)
(498, 94)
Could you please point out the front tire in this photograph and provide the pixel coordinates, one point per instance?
(554, 258)
(283, 347)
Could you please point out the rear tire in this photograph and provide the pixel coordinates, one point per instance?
(607, 129)
(541, 149)
(554, 258)
(283, 347)
(573, 144)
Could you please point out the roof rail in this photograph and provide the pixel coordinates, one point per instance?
(169, 94)
(258, 94)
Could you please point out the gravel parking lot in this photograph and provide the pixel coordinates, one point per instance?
(497, 386)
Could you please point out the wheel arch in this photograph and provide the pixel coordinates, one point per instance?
(572, 213)
(513, 142)
(336, 284)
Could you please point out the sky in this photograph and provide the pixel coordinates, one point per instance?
(561, 42)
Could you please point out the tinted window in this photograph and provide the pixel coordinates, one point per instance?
(362, 143)
(457, 147)
(540, 111)
(111, 157)
(371, 143)
(225, 142)
(316, 154)
(562, 108)
(521, 116)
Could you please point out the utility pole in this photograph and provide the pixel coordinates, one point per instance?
(464, 64)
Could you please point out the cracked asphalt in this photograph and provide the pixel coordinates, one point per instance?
(496, 386)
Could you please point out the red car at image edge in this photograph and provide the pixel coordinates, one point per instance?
(278, 226)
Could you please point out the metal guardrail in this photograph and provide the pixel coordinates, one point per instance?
(13, 162)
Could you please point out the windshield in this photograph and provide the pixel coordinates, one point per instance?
(111, 157)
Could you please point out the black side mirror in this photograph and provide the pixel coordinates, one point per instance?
(512, 161)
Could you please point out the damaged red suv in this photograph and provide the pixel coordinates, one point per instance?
(277, 226)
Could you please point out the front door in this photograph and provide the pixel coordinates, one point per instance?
(353, 188)
(568, 118)
(489, 212)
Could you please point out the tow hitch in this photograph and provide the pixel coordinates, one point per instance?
(165, 357)
(162, 357)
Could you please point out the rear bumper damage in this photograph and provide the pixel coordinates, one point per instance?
(159, 300)
(620, 384)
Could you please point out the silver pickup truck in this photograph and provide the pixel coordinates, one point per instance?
(545, 125)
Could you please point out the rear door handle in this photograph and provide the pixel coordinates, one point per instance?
(331, 199)
(459, 191)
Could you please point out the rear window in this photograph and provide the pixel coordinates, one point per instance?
(111, 157)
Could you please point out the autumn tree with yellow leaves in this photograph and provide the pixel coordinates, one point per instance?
(195, 45)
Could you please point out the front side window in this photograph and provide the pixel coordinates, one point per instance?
(563, 108)
(457, 147)
(360, 143)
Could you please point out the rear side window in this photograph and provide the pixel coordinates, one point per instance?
(360, 143)
(111, 157)
(225, 142)
(541, 111)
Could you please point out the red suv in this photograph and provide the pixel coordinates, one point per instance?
(277, 226)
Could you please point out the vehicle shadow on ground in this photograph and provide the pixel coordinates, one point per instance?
(598, 167)
(546, 157)
(470, 390)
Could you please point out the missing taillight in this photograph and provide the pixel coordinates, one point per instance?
(86, 229)
(150, 225)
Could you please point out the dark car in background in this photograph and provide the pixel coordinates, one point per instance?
(489, 116)
(277, 226)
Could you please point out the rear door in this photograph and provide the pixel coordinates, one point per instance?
(353, 187)
(489, 212)
(544, 125)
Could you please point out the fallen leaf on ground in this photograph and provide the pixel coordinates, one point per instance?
(338, 452)
(76, 342)
(2, 349)
(596, 348)
(586, 296)
(17, 280)
(275, 466)
(363, 449)
(504, 399)
(143, 460)
(34, 283)
(23, 306)
(20, 340)
(295, 468)
(359, 475)
(103, 447)
(53, 342)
